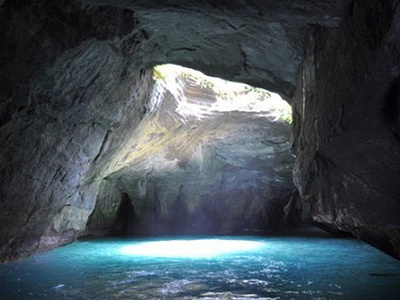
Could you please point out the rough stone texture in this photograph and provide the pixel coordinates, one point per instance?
(199, 170)
(58, 107)
(72, 89)
(328, 13)
(346, 122)
(58, 142)
(264, 40)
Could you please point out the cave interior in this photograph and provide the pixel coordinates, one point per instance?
(91, 145)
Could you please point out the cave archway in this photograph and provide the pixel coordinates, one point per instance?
(209, 156)
(75, 79)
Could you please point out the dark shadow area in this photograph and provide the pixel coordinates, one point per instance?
(125, 220)
(392, 108)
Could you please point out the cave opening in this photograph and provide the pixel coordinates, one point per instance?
(210, 156)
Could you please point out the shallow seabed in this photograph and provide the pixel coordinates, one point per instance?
(310, 265)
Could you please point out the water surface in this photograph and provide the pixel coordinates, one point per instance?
(295, 266)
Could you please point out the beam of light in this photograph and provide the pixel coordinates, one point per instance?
(202, 248)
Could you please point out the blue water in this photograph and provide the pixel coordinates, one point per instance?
(278, 267)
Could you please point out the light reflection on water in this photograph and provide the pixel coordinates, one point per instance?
(190, 248)
(283, 267)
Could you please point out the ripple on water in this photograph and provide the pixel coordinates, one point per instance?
(282, 268)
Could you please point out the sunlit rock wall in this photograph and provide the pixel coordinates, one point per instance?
(58, 109)
(190, 168)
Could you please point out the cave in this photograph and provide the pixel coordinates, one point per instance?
(209, 156)
(92, 146)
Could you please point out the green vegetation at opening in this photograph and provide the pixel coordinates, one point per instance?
(230, 92)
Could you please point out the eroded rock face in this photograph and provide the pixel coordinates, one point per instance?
(260, 43)
(346, 126)
(189, 168)
(58, 107)
(57, 143)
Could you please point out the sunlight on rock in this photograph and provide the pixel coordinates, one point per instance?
(203, 248)
(203, 139)
(226, 96)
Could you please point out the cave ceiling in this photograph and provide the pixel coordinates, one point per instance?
(261, 43)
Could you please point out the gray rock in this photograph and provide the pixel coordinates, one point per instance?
(201, 170)
(345, 118)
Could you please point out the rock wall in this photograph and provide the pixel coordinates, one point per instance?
(345, 124)
(58, 111)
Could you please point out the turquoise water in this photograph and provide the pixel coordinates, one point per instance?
(277, 267)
